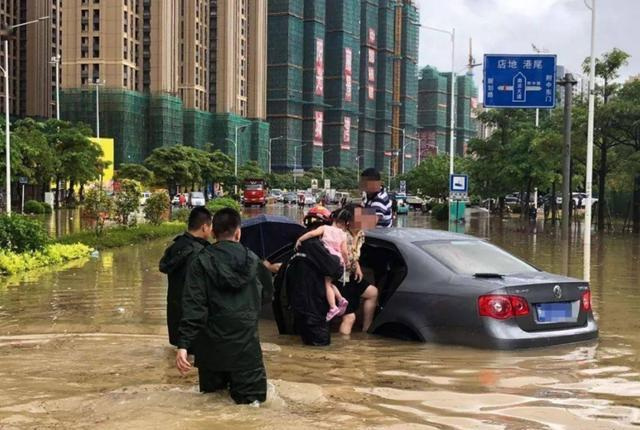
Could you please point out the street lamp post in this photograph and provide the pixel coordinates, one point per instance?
(98, 83)
(451, 33)
(589, 172)
(270, 141)
(235, 163)
(5, 34)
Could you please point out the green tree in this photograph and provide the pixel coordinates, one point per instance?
(608, 69)
(431, 177)
(156, 207)
(98, 206)
(127, 201)
(137, 172)
(174, 166)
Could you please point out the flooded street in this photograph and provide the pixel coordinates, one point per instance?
(86, 347)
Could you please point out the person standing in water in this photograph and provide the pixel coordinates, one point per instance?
(224, 291)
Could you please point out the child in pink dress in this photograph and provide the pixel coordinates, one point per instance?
(334, 239)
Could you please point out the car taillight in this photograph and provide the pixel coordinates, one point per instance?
(502, 307)
(586, 301)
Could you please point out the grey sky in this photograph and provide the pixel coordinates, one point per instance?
(510, 26)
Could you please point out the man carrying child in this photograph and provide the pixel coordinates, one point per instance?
(224, 291)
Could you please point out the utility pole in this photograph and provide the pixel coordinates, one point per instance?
(568, 82)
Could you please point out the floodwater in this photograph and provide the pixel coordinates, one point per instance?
(86, 347)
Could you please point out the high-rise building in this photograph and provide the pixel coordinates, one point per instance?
(341, 83)
(168, 72)
(434, 111)
(12, 12)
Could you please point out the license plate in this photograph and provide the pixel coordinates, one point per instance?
(555, 312)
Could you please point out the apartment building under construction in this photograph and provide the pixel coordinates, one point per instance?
(342, 83)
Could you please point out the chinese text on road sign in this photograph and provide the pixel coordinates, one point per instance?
(520, 81)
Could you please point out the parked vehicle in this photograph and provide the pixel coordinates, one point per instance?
(289, 198)
(306, 199)
(443, 287)
(196, 199)
(144, 196)
(276, 194)
(254, 193)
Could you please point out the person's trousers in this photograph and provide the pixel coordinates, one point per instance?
(245, 386)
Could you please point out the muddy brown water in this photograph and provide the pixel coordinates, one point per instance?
(86, 347)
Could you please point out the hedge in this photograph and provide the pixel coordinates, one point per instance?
(122, 236)
(13, 262)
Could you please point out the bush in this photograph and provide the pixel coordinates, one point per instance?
(97, 206)
(440, 212)
(14, 262)
(223, 202)
(121, 236)
(181, 215)
(21, 234)
(127, 201)
(33, 207)
(47, 207)
(157, 205)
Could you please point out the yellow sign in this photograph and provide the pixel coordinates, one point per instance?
(108, 151)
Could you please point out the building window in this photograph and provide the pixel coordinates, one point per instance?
(96, 47)
(96, 72)
(96, 20)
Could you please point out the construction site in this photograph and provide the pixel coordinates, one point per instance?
(434, 111)
(342, 84)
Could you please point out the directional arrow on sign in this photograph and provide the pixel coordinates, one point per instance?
(519, 88)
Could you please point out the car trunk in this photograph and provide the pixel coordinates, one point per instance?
(552, 306)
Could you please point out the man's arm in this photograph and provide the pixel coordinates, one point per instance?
(308, 235)
(194, 304)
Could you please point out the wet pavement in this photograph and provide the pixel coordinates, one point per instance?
(86, 347)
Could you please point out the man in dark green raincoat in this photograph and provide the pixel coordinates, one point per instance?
(224, 291)
(176, 260)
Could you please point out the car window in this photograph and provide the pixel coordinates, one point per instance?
(253, 187)
(197, 195)
(469, 257)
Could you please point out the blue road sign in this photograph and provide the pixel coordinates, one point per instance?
(520, 81)
(459, 183)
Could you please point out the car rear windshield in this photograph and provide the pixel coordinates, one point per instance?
(253, 187)
(197, 195)
(470, 257)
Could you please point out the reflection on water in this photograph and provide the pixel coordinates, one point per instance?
(86, 347)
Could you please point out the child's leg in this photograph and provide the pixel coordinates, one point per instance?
(331, 295)
(336, 293)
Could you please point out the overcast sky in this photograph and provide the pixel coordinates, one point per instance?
(510, 27)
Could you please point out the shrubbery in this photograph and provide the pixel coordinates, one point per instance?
(440, 212)
(127, 201)
(21, 234)
(223, 202)
(181, 215)
(121, 236)
(33, 207)
(47, 207)
(16, 262)
(157, 206)
(97, 206)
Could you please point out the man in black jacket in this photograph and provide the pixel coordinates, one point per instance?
(224, 291)
(175, 261)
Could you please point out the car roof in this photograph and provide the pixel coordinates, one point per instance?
(409, 235)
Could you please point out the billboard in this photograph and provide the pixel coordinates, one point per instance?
(348, 70)
(346, 134)
(319, 85)
(318, 122)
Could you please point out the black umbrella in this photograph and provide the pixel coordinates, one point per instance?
(266, 234)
